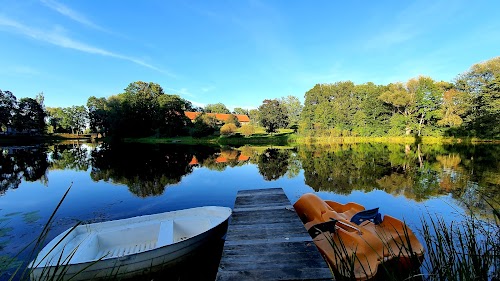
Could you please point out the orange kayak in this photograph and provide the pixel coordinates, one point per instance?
(355, 241)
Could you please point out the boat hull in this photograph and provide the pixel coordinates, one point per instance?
(133, 265)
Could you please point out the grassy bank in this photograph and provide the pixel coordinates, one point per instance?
(289, 138)
(21, 140)
(283, 138)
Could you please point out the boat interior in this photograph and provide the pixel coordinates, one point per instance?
(88, 243)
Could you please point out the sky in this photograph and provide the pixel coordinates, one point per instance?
(235, 52)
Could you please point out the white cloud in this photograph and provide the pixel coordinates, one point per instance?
(72, 14)
(58, 38)
(182, 91)
(23, 69)
(207, 89)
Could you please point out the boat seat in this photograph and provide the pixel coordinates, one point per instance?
(166, 234)
(367, 215)
(319, 228)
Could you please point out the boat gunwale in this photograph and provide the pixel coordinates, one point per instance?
(58, 238)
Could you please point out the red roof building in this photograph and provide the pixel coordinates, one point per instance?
(222, 117)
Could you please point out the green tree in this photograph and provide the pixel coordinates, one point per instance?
(232, 120)
(98, 115)
(294, 109)
(488, 117)
(55, 116)
(254, 116)
(8, 104)
(428, 101)
(30, 115)
(240, 111)
(217, 108)
(204, 125)
(228, 129)
(453, 107)
(273, 115)
(77, 117)
(140, 108)
(172, 121)
(371, 117)
(247, 130)
(476, 82)
(403, 103)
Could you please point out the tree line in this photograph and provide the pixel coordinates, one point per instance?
(23, 116)
(470, 106)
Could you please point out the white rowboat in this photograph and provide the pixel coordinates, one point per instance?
(128, 247)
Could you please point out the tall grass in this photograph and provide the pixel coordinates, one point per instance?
(23, 271)
(469, 250)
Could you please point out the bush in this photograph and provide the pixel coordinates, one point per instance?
(201, 129)
(247, 130)
(228, 129)
(232, 119)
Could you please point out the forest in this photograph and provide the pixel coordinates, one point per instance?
(469, 106)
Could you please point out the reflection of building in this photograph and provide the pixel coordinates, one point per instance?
(221, 117)
(222, 159)
(194, 161)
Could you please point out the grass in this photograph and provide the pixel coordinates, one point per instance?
(17, 270)
(260, 137)
(286, 137)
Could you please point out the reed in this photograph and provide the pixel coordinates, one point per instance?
(22, 271)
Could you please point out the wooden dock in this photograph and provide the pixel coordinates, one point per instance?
(267, 241)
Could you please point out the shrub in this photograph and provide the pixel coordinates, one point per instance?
(201, 129)
(247, 130)
(228, 129)
(232, 119)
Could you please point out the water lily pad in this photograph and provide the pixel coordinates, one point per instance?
(31, 217)
(5, 230)
(7, 262)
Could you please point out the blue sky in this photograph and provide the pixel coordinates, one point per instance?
(235, 52)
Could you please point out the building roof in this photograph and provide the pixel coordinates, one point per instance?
(218, 116)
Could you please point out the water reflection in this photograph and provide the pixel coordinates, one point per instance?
(221, 159)
(273, 163)
(145, 170)
(71, 156)
(28, 163)
(418, 172)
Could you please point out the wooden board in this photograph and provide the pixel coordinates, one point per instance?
(267, 241)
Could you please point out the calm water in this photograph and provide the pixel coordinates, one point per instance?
(118, 181)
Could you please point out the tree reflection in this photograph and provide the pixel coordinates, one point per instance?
(18, 163)
(273, 163)
(342, 168)
(419, 172)
(224, 158)
(145, 169)
(73, 156)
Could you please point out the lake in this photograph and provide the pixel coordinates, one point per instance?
(114, 181)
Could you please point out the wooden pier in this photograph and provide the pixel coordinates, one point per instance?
(267, 241)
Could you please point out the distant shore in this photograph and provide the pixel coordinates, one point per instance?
(294, 139)
(278, 139)
(23, 139)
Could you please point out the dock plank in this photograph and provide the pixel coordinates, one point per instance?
(267, 241)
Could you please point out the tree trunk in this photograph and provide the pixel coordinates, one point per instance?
(420, 124)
